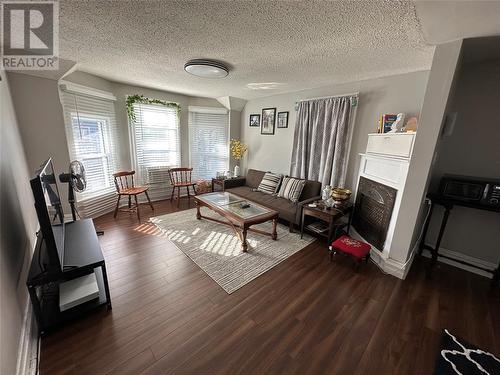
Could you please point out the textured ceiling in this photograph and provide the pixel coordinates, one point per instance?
(288, 45)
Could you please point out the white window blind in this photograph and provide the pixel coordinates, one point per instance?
(155, 138)
(208, 142)
(92, 137)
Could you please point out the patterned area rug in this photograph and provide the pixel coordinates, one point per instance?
(216, 249)
(459, 357)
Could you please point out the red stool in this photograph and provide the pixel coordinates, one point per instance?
(355, 249)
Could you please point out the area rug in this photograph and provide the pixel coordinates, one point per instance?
(459, 357)
(216, 249)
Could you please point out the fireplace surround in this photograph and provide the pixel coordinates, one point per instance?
(373, 210)
(383, 170)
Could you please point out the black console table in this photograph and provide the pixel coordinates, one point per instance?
(82, 256)
(448, 205)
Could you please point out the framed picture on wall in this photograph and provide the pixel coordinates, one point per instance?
(268, 121)
(283, 119)
(255, 120)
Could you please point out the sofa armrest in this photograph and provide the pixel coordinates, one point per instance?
(234, 182)
(310, 200)
(303, 203)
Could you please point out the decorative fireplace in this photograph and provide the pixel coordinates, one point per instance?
(373, 211)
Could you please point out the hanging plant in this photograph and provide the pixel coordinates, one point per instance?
(131, 99)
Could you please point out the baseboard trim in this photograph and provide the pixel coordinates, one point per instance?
(27, 356)
(465, 258)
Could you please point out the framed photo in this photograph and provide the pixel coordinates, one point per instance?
(255, 120)
(268, 121)
(283, 119)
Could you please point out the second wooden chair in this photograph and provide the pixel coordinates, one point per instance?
(180, 178)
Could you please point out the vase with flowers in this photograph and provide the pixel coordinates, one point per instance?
(238, 150)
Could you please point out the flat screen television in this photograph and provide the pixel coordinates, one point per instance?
(50, 215)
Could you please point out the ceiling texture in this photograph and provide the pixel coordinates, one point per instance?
(270, 46)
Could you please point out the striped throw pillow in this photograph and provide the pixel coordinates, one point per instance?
(270, 183)
(291, 188)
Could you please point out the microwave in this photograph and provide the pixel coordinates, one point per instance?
(481, 191)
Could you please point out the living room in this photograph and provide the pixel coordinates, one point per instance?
(251, 187)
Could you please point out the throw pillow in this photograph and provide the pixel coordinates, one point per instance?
(291, 188)
(270, 183)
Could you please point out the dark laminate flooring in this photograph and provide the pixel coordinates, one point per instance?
(306, 315)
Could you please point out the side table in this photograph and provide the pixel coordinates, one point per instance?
(225, 183)
(331, 216)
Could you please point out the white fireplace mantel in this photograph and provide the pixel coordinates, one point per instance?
(391, 171)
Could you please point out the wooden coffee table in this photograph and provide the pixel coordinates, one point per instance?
(230, 207)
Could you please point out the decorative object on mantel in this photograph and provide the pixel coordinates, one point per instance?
(238, 150)
(385, 122)
(141, 99)
(268, 121)
(398, 124)
(411, 125)
(254, 120)
(283, 119)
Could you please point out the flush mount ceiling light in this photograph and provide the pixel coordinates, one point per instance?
(206, 68)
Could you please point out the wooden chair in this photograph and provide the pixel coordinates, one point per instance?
(181, 177)
(124, 183)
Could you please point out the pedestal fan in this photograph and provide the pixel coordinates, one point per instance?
(77, 181)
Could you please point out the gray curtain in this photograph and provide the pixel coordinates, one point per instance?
(321, 140)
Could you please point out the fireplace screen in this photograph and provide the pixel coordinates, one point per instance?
(373, 210)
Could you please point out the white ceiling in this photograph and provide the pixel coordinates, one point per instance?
(289, 45)
(444, 21)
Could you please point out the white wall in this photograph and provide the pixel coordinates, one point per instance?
(473, 149)
(394, 94)
(441, 78)
(41, 123)
(18, 226)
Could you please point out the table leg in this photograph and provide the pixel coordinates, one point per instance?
(440, 235)
(426, 227)
(302, 225)
(496, 275)
(330, 232)
(37, 309)
(274, 235)
(198, 213)
(106, 286)
(244, 244)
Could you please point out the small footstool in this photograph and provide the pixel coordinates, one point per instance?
(357, 250)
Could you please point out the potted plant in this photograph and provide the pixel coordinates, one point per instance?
(238, 149)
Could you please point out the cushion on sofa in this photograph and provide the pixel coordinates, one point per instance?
(254, 177)
(270, 183)
(311, 189)
(291, 188)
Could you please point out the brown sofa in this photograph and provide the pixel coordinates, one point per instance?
(289, 211)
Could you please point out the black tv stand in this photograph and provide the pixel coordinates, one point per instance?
(82, 256)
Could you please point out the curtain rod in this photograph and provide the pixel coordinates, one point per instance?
(330, 97)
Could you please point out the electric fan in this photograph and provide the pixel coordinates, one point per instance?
(76, 181)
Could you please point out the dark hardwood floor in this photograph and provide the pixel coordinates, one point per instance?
(306, 315)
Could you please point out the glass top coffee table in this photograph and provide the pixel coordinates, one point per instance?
(238, 212)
